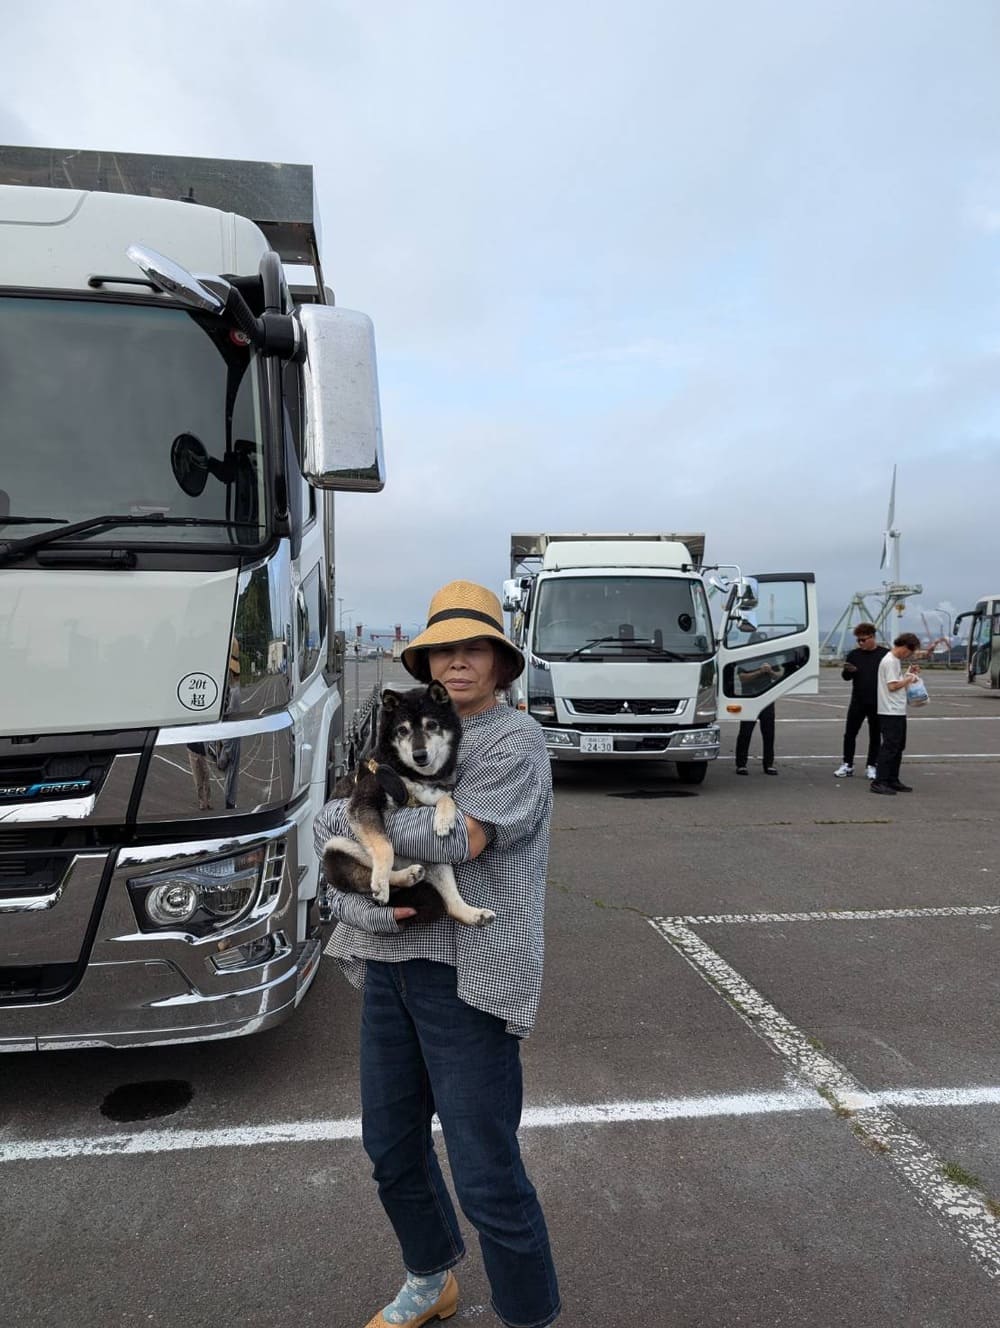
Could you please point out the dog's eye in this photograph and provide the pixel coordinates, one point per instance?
(403, 731)
(431, 725)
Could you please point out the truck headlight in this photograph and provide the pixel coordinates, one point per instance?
(559, 738)
(696, 738)
(210, 895)
(171, 903)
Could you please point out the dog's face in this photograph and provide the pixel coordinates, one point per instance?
(421, 726)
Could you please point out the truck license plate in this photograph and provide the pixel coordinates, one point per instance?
(596, 742)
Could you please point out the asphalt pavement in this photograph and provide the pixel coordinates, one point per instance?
(764, 1089)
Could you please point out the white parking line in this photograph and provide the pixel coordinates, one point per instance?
(563, 1116)
(842, 915)
(962, 1210)
(911, 720)
(910, 756)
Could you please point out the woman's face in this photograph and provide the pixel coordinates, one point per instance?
(468, 672)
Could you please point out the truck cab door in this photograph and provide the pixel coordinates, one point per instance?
(769, 649)
(983, 664)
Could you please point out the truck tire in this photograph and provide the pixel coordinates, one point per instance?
(692, 772)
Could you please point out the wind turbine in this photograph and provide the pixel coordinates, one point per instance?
(890, 597)
(890, 536)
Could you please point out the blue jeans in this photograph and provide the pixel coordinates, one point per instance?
(424, 1050)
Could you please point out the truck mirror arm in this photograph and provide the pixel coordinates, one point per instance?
(272, 334)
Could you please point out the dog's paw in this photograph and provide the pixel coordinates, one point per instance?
(380, 890)
(408, 876)
(474, 917)
(445, 813)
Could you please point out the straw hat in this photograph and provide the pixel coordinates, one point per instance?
(234, 657)
(460, 611)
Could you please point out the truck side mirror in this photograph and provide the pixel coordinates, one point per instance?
(342, 420)
(511, 596)
(749, 597)
(168, 276)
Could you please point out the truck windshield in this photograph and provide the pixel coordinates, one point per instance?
(97, 393)
(622, 618)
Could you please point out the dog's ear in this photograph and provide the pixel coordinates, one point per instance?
(437, 693)
(390, 699)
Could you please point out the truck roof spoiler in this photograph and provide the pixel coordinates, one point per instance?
(526, 549)
(279, 197)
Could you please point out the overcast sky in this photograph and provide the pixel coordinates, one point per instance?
(635, 265)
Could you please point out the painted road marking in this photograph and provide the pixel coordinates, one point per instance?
(961, 1210)
(911, 719)
(918, 756)
(907, 756)
(564, 1116)
(841, 915)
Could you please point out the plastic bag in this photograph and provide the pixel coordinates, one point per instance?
(916, 693)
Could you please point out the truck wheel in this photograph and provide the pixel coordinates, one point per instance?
(692, 772)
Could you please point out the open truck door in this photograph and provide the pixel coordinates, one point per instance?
(768, 643)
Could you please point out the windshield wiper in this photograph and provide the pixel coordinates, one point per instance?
(32, 520)
(661, 653)
(13, 549)
(625, 641)
(598, 640)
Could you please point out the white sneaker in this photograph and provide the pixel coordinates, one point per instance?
(871, 772)
(843, 771)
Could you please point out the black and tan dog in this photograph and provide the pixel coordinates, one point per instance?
(413, 764)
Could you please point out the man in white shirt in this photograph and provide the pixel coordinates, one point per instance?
(892, 685)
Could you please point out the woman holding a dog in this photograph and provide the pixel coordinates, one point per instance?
(445, 1005)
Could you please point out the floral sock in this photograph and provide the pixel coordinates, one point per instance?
(416, 1295)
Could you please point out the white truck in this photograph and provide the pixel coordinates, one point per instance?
(175, 416)
(624, 660)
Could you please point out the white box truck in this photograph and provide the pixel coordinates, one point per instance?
(176, 415)
(624, 660)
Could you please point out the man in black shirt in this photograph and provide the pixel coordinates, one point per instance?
(861, 671)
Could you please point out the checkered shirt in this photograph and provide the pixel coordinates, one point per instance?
(504, 782)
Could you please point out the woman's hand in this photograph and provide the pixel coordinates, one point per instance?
(404, 914)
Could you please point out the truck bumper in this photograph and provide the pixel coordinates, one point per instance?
(681, 745)
(117, 1005)
(148, 988)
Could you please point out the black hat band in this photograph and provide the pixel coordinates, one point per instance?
(446, 614)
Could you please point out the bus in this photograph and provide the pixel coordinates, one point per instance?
(983, 657)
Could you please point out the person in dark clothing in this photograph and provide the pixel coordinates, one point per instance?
(752, 680)
(766, 719)
(861, 671)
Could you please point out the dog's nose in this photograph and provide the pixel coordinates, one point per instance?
(419, 758)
